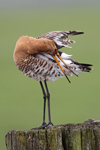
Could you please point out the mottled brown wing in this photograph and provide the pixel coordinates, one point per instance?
(60, 37)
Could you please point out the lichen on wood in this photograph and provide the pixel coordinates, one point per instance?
(84, 136)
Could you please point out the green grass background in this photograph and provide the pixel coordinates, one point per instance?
(21, 100)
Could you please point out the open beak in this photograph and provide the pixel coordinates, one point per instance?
(65, 64)
(60, 66)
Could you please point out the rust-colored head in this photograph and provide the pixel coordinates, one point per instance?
(28, 46)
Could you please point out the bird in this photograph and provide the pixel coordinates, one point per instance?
(40, 59)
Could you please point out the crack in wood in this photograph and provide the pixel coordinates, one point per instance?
(84, 136)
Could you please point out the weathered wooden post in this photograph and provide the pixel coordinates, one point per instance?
(84, 136)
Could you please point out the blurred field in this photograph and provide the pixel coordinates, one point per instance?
(21, 100)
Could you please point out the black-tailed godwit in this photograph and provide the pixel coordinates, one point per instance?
(39, 58)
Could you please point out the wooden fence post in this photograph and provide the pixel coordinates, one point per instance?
(84, 136)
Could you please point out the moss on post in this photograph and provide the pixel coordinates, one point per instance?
(84, 136)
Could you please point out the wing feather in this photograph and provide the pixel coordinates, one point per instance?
(60, 37)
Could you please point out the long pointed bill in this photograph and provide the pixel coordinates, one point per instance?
(61, 67)
(65, 64)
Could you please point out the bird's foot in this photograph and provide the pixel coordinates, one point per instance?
(49, 124)
(41, 127)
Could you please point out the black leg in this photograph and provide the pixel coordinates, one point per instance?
(48, 98)
(44, 106)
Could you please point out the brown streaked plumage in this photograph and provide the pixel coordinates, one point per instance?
(40, 59)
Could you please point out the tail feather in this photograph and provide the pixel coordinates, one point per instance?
(77, 63)
(82, 66)
(75, 66)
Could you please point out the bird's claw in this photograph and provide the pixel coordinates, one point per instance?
(43, 126)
